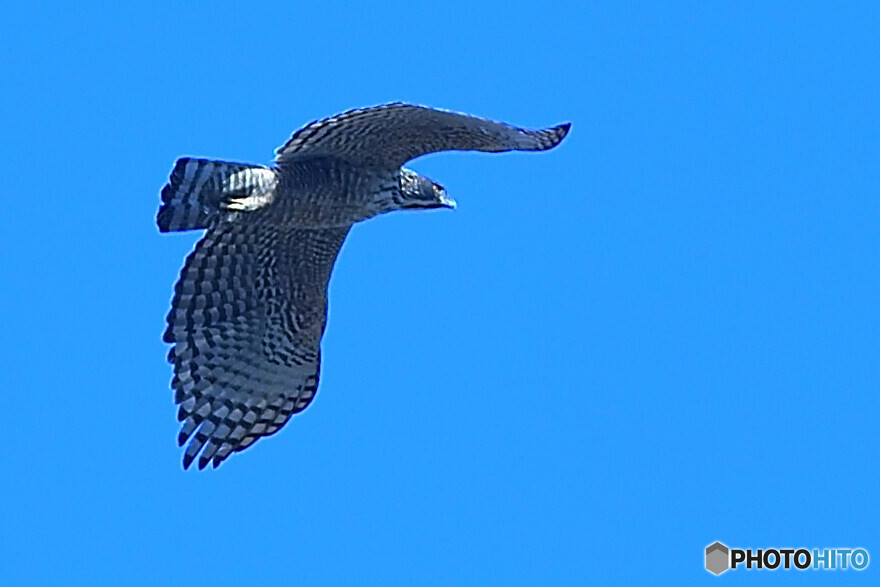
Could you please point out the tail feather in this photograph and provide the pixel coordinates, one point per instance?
(199, 190)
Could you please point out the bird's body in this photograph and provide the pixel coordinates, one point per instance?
(250, 307)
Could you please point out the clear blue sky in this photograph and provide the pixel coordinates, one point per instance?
(661, 334)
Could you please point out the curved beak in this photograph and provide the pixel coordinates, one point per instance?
(446, 201)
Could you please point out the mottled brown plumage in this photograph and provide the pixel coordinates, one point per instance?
(250, 307)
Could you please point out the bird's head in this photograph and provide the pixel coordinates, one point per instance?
(420, 193)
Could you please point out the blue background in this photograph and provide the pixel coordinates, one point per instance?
(661, 334)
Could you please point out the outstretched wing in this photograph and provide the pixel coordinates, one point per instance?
(388, 136)
(246, 322)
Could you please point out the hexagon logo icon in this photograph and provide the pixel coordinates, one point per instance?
(717, 558)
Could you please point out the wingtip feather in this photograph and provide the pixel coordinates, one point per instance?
(561, 131)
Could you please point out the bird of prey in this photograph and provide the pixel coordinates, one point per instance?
(250, 306)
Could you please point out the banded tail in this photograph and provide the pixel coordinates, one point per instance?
(199, 190)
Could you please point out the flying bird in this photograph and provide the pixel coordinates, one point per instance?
(250, 307)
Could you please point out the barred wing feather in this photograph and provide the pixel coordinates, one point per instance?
(246, 322)
(388, 136)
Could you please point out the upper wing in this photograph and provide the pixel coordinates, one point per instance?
(392, 134)
(246, 322)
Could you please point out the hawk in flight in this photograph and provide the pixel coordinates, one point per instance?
(250, 306)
